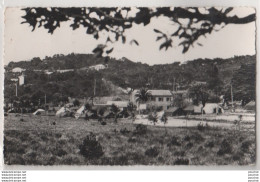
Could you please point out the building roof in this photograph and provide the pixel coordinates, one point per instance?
(118, 103)
(104, 100)
(189, 108)
(180, 92)
(172, 109)
(160, 92)
(250, 106)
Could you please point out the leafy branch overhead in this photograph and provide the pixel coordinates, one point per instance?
(191, 23)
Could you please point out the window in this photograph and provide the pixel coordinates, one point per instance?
(152, 98)
(160, 99)
(168, 99)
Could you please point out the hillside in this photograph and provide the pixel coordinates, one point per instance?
(119, 75)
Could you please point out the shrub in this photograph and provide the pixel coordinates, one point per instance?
(120, 160)
(238, 156)
(70, 159)
(202, 127)
(197, 137)
(209, 144)
(189, 145)
(181, 161)
(124, 131)
(22, 120)
(132, 139)
(225, 147)
(187, 138)
(174, 141)
(179, 153)
(152, 152)
(245, 146)
(58, 135)
(153, 117)
(103, 123)
(140, 129)
(91, 148)
(60, 152)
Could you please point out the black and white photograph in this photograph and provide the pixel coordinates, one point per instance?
(130, 86)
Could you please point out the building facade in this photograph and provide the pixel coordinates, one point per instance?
(158, 98)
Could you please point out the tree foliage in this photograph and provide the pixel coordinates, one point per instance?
(142, 95)
(191, 23)
(199, 93)
(244, 83)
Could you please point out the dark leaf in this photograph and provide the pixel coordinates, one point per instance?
(96, 36)
(109, 51)
(134, 41)
(185, 49)
(123, 39)
(199, 44)
(205, 24)
(157, 31)
(158, 38)
(90, 30)
(228, 10)
(166, 44)
(108, 39)
(176, 33)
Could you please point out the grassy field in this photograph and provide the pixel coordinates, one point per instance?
(39, 140)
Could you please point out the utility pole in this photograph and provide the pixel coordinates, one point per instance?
(232, 96)
(95, 87)
(16, 89)
(174, 85)
(45, 104)
(231, 90)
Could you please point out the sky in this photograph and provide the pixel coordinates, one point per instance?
(23, 44)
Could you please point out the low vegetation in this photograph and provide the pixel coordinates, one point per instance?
(81, 142)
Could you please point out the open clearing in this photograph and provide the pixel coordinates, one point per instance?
(48, 140)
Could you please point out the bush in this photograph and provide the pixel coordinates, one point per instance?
(238, 156)
(179, 153)
(189, 145)
(70, 159)
(124, 131)
(103, 123)
(91, 148)
(140, 129)
(225, 147)
(202, 127)
(120, 160)
(152, 152)
(132, 139)
(187, 138)
(174, 141)
(197, 137)
(209, 144)
(58, 135)
(245, 146)
(60, 152)
(181, 161)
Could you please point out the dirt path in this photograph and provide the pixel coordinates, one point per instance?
(173, 122)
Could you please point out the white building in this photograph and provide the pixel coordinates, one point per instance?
(21, 79)
(14, 79)
(98, 67)
(18, 70)
(157, 98)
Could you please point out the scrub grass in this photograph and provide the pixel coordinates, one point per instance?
(39, 141)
